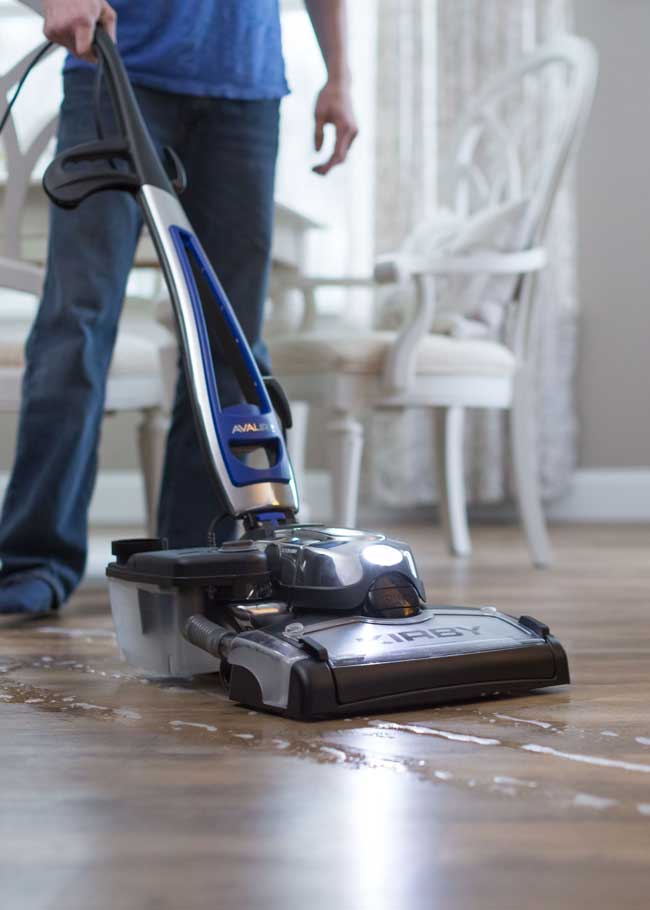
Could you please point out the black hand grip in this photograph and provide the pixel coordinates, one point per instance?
(144, 157)
(68, 186)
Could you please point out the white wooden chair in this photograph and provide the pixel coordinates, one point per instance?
(134, 382)
(348, 371)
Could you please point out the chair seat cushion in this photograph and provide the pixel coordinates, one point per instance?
(365, 353)
(133, 355)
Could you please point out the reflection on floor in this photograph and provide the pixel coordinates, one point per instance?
(124, 792)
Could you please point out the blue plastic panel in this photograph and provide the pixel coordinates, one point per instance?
(243, 424)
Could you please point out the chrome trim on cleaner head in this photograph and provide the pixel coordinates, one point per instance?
(162, 210)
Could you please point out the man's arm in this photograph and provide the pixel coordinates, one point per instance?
(334, 103)
(72, 23)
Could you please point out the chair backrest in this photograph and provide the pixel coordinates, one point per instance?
(20, 160)
(521, 131)
(512, 150)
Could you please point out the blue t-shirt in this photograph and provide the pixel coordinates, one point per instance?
(219, 48)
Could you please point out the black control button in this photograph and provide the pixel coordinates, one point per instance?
(314, 647)
(540, 628)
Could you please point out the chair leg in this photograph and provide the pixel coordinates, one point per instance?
(297, 446)
(449, 424)
(524, 459)
(152, 438)
(345, 439)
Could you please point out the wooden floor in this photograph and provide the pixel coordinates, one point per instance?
(125, 794)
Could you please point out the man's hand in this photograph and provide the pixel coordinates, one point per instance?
(334, 106)
(72, 24)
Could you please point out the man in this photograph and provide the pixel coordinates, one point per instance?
(209, 76)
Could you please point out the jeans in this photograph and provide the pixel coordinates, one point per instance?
(228, 149)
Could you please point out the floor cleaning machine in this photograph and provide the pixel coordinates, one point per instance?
(300, 620)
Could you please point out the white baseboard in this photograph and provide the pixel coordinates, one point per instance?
(118, 500)
(605, 496)
(595, 495)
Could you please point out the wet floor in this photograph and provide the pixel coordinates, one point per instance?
(138, 792)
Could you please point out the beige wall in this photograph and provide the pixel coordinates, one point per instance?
(613, 380)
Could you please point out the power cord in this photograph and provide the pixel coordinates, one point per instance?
(39, 56)
(97, 104)
(212, 537)
(97, 90)
(97, 98)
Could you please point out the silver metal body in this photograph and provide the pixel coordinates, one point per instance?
(163, 211)
(361, 641)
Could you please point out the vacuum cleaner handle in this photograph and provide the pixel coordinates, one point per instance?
(207, 323)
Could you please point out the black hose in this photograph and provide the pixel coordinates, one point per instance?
(208, 636)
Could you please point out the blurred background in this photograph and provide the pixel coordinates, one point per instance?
(416, 66)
